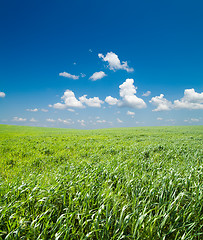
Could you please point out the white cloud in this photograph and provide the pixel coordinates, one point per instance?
(101, 121)
(159, 119)
(59, 106)
(114, 62)
(111, 101)
(65, 121)
(82, 122)
(91, 102)
(17, 119)
(50, 120)
(130, 113)
(2, 94)
(33, 120)
(161, 103)
(119, 121)
(170, 120)
(146, 94)
(44, 110)
(190, 100)
(70, 100)
(194, 119)
(127, 93)
(32, 110)
(68, 75)
(71, 110)
(97, 75)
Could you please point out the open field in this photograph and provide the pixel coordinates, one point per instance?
(134, 183)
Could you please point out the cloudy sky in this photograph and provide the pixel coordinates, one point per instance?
(97, 64)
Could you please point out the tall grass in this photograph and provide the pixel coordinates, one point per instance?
(142, 183)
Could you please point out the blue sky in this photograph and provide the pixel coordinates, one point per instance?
(96, 64)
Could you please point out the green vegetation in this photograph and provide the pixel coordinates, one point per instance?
(134, 183)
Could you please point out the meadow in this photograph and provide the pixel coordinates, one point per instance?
(127, 183)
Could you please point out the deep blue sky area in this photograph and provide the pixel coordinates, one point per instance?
(49, 60)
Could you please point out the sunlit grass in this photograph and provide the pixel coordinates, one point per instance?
(136, 183)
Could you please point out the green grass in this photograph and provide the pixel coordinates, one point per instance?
(128, 183)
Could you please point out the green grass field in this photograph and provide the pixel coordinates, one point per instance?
(128, 183)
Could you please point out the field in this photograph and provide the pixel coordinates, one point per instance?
(128, 183)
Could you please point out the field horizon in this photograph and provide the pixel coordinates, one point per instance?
(115, 183)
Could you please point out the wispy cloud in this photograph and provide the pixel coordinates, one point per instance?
(82, 122)
(68, 75)
(50, 120)
(101, 121)
(114, 62)
(33, 120)
(44, 110)
(146, 94)
(119, 120)
(32, 110)
(130, 113)
(71, 110)
(19, 119)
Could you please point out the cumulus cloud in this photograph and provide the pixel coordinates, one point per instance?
(161, 103)
(59, 106)
(32, 110)
(190, 100)
(146, 94)
(114, 62)
(19, 119)
(97, 75)
(68, 75)
(129, 99)
(111, 101)
(130, 113)
(2, 94)
(70, 99)
(91, 102)
(159, 119)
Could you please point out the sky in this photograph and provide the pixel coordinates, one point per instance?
(101, 64)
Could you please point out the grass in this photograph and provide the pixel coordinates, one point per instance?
(130, 183)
